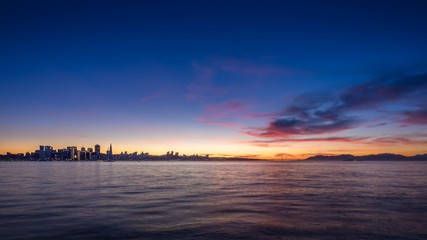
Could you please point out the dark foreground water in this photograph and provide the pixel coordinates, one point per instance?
(213, 200)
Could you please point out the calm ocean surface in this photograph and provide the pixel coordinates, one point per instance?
(213, 200)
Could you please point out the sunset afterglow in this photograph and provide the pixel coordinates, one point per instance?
(277, 80)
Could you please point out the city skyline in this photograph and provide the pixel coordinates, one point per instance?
(281, 79)
(73, 153)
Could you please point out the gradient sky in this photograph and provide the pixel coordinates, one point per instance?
(233, 78)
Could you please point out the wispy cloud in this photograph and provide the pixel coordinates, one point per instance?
(216, 82)
(416, 117)
(313, 114)
(377, 141)
(210, 121)
(223, 114)
(378, 91)
(207, 84)
(377, 125)
(281, 141)
(286, 127)
(225, 109)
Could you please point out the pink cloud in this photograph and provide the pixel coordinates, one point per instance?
(216, 122)
(381, 141)
(416, 117)
(358, 140)
(312, 114)
(227, 113)
(225, 109)
(397, 140)
(222, 114)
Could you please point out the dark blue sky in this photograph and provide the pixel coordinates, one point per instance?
(219, 77)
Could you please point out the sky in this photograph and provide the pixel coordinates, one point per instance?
(263, 79)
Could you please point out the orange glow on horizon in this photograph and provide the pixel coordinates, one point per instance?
(297, 152)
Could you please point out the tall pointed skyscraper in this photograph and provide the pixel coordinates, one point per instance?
(111, 149)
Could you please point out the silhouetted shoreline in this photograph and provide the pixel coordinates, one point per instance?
(372, 157)
(317, 158)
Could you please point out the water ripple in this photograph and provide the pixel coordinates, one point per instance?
(213, 200)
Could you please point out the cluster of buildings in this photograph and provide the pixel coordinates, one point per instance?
(72, 153)
(69, 153)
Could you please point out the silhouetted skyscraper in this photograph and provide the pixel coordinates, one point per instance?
(97, 149)
(48, 151)
(110, 153)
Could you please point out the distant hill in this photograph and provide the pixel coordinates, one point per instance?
(373, 157)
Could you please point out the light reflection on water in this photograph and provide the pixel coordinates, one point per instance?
(213, 200)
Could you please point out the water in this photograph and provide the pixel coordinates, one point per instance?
(213, 200)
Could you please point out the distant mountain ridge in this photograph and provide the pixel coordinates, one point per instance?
(372, 157)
